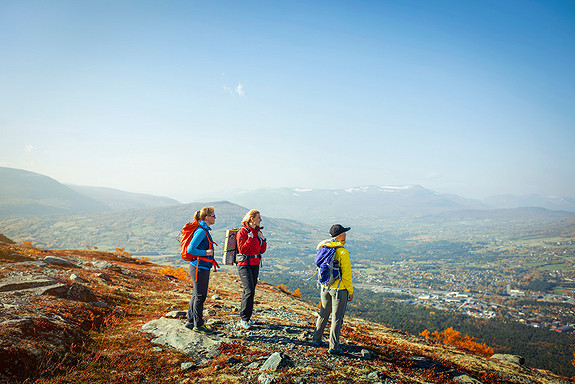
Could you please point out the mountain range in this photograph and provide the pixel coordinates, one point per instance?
(118, 200)
(152, 232)
(52, 215)
(548, 202)
(321, 206)
(325, 205)
(24, 193)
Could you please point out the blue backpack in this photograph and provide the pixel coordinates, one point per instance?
(327, 266)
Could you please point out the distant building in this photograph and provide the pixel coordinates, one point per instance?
(516, 292)
(564, 329)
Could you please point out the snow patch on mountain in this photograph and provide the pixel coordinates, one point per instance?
(367, 188)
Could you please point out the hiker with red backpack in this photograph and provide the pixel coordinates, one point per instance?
(251, 245)
(200, 253)
(334, 274)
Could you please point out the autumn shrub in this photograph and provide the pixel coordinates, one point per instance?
(453, 337)
(122, 253)
(179, 273)
(85, 315)
(285, 289)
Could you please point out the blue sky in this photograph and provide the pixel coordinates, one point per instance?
(181, 98)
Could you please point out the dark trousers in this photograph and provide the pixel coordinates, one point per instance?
(249, 276)
(196, 308)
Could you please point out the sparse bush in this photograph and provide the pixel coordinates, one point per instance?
(122, 253)
(285, 289)
(453, 337)
(178, 273)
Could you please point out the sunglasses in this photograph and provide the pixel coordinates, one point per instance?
(214, 216)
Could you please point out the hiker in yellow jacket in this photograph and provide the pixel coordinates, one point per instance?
(335, 297)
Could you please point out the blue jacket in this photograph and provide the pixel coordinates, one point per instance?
(199, 245)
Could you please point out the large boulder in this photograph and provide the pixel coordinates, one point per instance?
(171, 332)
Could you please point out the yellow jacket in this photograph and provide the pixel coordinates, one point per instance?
(342, 256)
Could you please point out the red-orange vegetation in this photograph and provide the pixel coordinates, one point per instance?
(453, 337)
(363, 337)
(122, 252)
(285, 289)
(86, 316)
(236, 349)
(178, 273)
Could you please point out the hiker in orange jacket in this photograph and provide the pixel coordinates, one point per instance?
(251, 245)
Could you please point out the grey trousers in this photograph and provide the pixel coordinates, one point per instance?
(196, 307)
(333, 303)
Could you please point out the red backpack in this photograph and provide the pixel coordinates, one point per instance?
(186, 235)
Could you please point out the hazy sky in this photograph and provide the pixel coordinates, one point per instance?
(180, 98)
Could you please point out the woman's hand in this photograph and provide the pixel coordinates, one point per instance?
(261, 235)
(350, 298)
(210, 252)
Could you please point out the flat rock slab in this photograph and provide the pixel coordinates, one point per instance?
(32, 285)
(171, 332)
(59, 261)
(515, 359)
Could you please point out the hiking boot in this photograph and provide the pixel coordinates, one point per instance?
(244, 324)
(335, 351)
(251, 322)
(203, 329)
(318, 343)
(189, 325)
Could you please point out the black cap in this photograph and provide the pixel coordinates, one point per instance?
(337, 229)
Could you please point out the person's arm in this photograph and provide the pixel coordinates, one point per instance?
(264, 244)
(247, 244)
(199, 236)
(345, 267)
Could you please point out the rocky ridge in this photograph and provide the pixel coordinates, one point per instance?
(84, 316)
